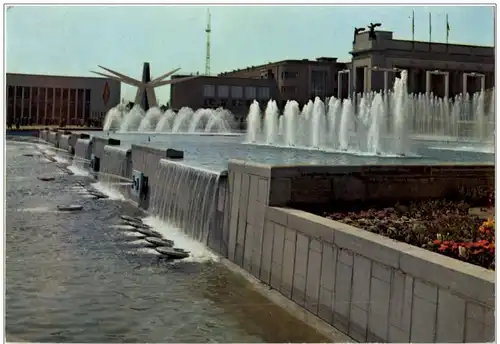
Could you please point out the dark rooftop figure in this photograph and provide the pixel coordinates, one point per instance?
(372, 36)
(356, 31)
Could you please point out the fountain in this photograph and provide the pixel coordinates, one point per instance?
(154, 120)
(382, 124)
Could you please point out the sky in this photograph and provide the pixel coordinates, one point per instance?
(72, 40)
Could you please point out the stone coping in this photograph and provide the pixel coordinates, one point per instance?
(287, 171)
(156, 151)
(469, 280)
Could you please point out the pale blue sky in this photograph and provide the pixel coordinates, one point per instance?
(74, 40)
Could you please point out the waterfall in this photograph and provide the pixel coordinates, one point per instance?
(82, 153)
(115, 164)
(186, 196)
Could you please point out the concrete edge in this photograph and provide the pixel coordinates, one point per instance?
(429, 266)
(287, 171)
(157, 151)
(289, 306)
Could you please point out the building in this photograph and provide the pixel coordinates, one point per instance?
(54, 100)
(299, 80)
(232, 93)
(423, 61)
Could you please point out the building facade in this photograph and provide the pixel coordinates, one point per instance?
(419, 58)
(299, 80)
(55, 100)
(232, 93)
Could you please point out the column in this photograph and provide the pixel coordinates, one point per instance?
(68, 100)
(46, 98)
(76, 106)
(54, 104)
(22, 104)
(14, 112)
(428, 77)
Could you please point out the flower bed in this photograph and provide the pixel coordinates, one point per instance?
(441, 226)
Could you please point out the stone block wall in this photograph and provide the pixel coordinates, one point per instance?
(98, 144)
(391, 183)
(146, 160)
(368, 286)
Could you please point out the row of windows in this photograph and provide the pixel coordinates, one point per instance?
(42, 105)
(237, 92)
(289, 75)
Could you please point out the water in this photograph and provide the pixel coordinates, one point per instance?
(114, 164)
(186, 197)
(76, 277)
(383, 124)
(154, 120)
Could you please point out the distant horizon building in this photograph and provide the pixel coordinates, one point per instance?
(34, 99)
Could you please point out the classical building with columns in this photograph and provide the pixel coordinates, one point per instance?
(432, 67)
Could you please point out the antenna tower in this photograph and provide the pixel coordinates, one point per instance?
(208, 30)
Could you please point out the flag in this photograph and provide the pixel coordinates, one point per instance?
(430, 30)
(447, 29)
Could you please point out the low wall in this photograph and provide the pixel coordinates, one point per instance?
(64, 142)
(147, 159)
(368, 286)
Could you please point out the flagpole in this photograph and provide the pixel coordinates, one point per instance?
(447, 31)
(430, 30)
(413, 29)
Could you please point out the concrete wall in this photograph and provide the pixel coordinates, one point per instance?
(146, 160)
(368, 286)
(64, 141)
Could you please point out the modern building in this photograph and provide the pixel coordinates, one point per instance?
(428, 65)
(233, 93)
(55, 100)
(299, 80)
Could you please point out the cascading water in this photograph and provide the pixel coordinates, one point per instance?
(400, 114)
(150, 120)
(82, 153)
(166, 121)
(290, 117)
(254, 122)
(318, 123)
(185, 121)
(182, 119)
(132, 119)
(186, 197)
(115, 167)
(271, 122)
(346, 125)
(114, 118)
(376, 123)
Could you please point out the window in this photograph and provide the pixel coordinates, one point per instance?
(79, 104)
(223, 91)
(289, 75)
(250, 92)
(86, 114)
(236, 92)
(263, 93)
(41, 105)
(34, 104)
(10, 104)
(288, 89)
(72, 102)
(208, 91)
(58, 108)
(50, 103)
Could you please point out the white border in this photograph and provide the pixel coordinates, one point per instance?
(220, 2)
